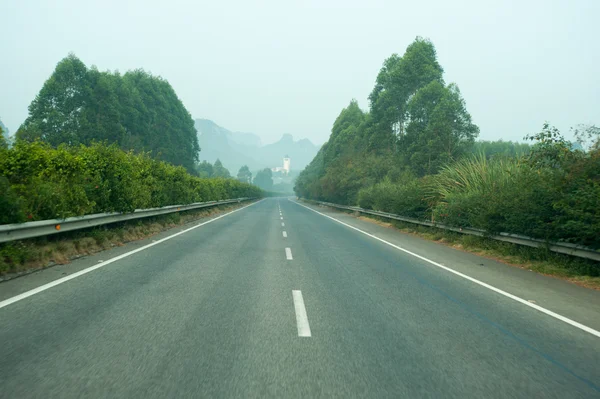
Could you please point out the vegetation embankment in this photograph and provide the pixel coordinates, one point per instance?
(39, 182)
(136, 111)
(102, 142)
(414, 154)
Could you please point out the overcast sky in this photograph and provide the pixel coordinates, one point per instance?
(274, 67)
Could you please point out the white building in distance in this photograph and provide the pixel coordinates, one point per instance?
(286, 166)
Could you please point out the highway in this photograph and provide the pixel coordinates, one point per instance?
(278, 299)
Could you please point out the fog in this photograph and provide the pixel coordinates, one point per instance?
(274, 67)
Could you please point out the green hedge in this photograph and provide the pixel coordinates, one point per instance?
(512, 195)
(38, 182)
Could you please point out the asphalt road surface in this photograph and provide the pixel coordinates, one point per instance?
(279, 300)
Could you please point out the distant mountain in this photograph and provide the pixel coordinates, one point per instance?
(247, 139)
(235, 149)
(301, 152)
(217, 142)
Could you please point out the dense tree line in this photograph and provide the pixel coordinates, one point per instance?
(264, 179)
(244, 174)
(206, 169)
(414, 153)
(500, 148)
(416, 124)
(138, 111)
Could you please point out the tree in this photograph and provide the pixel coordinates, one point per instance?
(4, 135)
(3, 140)
(416, 124)
(307, 183)
(137, 111)
(158, 119)
(264, 179)
(244, 174)
(346, 132)
(397, 82)
(220, 171)
(500, 148)
(551, 149)
(54, 114)
(587, 136)
(440, 128)
(204, 169)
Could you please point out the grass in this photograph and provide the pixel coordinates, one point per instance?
(475, 175)
(24, 256)
(580, 271)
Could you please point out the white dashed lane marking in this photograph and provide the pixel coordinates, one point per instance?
(301, 317)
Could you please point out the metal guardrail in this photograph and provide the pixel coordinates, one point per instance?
(19, 231)
(560, 247)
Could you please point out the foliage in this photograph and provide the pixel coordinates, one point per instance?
(264, 179)
(3, 140)
(4, 136)
(244, 174)
(414, 154)
(220, 171)
(500, 148)
(440, 128)
(204, 169)
(588, 136)
(3, 127)
(10, 203)
(398, 81)
(138, 111)
(416, 124)
(407, 197)
(498, 195)
(551, 149)
(40, 182)
(574, 175)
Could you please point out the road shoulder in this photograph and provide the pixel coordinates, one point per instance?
(37, 278)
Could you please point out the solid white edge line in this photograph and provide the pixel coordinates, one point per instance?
(54, 283)
(481, 283)
(288, 254)
(301, 317)
(284, 234)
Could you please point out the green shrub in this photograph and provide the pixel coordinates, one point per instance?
(10, 204)
(406, 197)
(556, 203)
(498, 195)
(365, 197)
(578, 219)
(39, 182)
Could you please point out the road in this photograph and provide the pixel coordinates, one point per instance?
(277, 300)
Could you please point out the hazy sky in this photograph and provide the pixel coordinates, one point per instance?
(274, 67)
